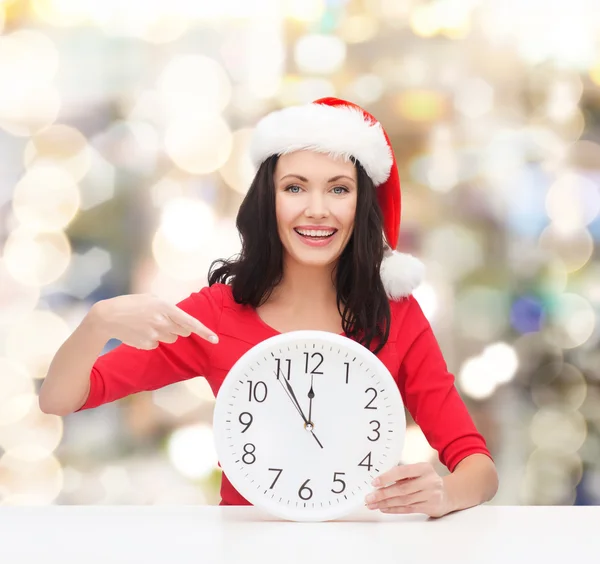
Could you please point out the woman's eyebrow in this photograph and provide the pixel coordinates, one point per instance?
(332, 179)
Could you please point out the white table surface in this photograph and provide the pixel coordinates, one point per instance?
(245, 535)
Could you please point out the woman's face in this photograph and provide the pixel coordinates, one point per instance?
(315, 200)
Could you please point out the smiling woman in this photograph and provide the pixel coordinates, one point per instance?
(318, 227)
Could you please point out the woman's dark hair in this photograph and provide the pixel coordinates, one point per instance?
(256, 271)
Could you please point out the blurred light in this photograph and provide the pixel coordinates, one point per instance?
(238, 172)
(320, 54)
(550, 478)
(527, 314)
(25, 62)
(15, 382)
(416, 448)
(86, 272)
(2, 17)
(62, 145)
(594, 72)
(167, 188)
(563, 99)
(482, 312)
(572, 321)
(34, 340)
(558, 385)
(572, 202)
(421, 105)
(223, 241)
(36, 482)
(475, 379)
(474, 97)
(198, 144)
(116, 482)
(358, 28)
(366, 89)
(193, 84)
(442, 169)
(98, 185)
(36, 259)
(46, 198)
(502, 362)
(295, 90)
(17, 299)
(192, 452)
(424, 20)
(428, 301)
(61, 12)
(186, 223)
(176, 399)
(304, 10)
(455, 248)
(574, 247)
(200, 388)
(558, 431)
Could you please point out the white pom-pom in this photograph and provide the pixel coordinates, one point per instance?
(401, 273)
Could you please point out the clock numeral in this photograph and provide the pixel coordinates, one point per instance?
(366, 459)
(305, 488)
(314, 370)
(336, 479)
(259, 395)
(369, 406)
(279, 471)
(289, 367)
(376, 430)
(347, 365)
(247, 423)
(249, 453)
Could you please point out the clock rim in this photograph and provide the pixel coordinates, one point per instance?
(219, 415)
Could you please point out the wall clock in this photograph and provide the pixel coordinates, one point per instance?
(304, 421)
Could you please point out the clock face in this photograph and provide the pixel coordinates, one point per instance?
(304, 421)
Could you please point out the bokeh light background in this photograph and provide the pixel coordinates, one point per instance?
(124, 129)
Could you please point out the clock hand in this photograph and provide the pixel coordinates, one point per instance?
(290, 392)
(311, 395)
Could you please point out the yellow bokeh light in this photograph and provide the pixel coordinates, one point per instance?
(193, 84)
(34, 340)
(37, 482)
(558, 431)
(15, 382)
(424, 21)
(181, 265)
(28, 62)
(304, 10)
(421, 105)
(595, 73)
(64, 13)
(187, 223)
(17, 299)
(36, 259)
(38, 434)
(573, 246)
(198, 143)
(239, 171)
(358, 28)
(60, 144)
(46, 198)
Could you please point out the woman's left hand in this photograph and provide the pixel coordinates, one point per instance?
(413, 488)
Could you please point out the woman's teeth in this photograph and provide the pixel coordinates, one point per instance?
(316, 233)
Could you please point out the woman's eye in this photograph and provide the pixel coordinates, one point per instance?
(340, 189)
(293, 189)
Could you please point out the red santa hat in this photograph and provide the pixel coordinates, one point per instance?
(341, 128)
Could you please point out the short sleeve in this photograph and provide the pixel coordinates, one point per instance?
(430, 393)
(126, 370)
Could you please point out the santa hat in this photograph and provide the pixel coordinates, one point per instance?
(341, 128)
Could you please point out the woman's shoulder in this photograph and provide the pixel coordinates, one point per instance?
(407, 316)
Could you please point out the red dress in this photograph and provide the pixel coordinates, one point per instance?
(411, 354)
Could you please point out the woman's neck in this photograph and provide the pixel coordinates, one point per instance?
(303, 285)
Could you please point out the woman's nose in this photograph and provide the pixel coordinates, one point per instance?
(317, 206)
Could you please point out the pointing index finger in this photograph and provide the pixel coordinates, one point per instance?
(188, 321)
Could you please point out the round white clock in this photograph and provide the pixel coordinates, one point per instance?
(304, 421)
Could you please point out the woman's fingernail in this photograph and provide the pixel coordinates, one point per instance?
(213, 339)
(375, 482)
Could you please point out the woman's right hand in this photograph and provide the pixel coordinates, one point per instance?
(143, 321)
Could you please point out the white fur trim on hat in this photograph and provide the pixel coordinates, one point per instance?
(401, 274)
(336, 130)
